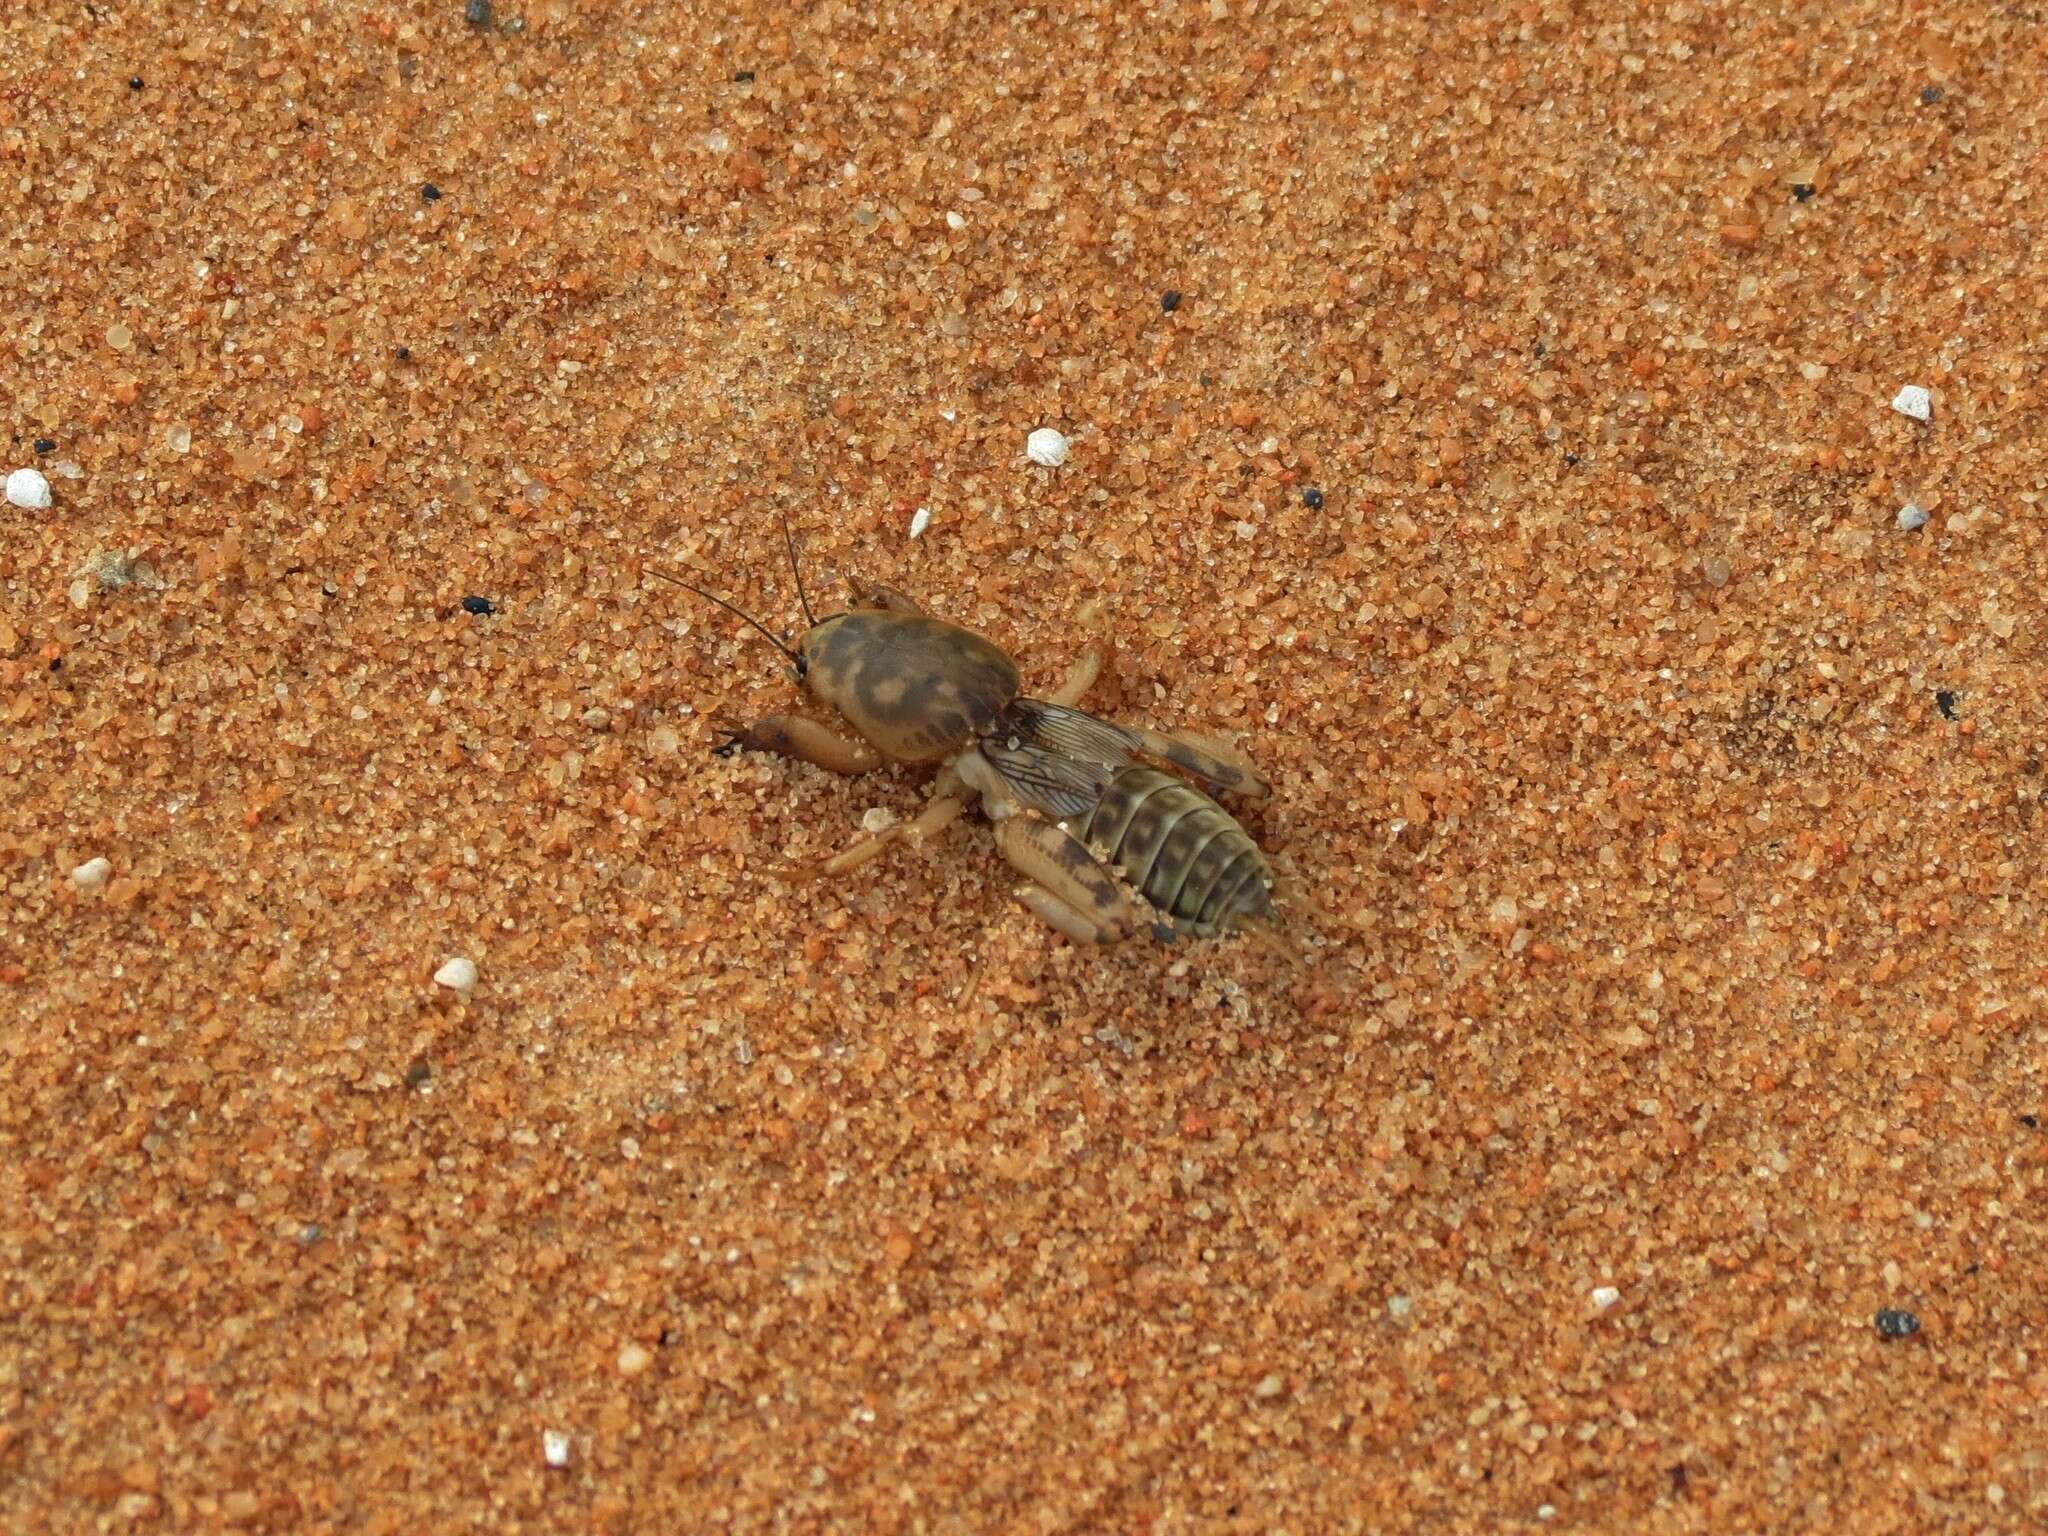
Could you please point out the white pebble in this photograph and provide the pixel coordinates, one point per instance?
(1400, 1306)
(1272, 1386)
(877, 818)
(1546, 1511)
(920, 520)
(554, 1445)
(92, 874)
(28, 488)
(1605, 1296)
(1915, 402)
(1046, 447)
(634, 1359)
(1912, 517)
(955, 222)
(458, 975)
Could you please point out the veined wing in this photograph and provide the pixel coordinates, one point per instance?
(1070, 732)
(1049, 782)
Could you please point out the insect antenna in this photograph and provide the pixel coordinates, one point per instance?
(796, 570)
(712, 597)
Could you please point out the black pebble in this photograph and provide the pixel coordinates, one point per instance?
(46, 445)
(743, 77)
(1170, 300)
(475, 604)
(1945, 701)
(1930, 94)
(477, 13)
(417, 1073)
(431, 192)
(405, 354)
(1802, 190)
(135, 82)
(2031, 1122)
(1312, 499)
(1895, 1324)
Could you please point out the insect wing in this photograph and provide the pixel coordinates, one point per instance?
(1048, 782)
(1071, 733)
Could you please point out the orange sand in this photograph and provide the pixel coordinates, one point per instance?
(1695, 954)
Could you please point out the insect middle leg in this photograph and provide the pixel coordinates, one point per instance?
(1089, 664)
(947, 802)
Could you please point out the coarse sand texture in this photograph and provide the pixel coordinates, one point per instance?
(1591, 457)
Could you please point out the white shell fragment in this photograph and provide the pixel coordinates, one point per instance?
(458, 975)
(92, 874)
(920, 520)
(1047, 447)
(27, 488)
(554, 1445)
(1914, 401)
(1911, 517)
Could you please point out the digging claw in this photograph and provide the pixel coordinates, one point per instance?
(737, 734)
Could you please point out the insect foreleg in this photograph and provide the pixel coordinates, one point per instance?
(805, 740)
(886, 598)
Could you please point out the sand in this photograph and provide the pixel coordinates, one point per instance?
(1678, 816)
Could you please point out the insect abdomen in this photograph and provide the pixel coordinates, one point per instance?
(1186, 853)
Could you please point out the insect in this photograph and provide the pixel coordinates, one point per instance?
(1066, 791)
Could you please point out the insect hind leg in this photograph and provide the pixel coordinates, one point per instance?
(1065, 916)
(1069, 888)
(1214, 762)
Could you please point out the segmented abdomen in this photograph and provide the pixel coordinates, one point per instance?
(1183, 850)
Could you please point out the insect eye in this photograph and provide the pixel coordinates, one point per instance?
(803, 665)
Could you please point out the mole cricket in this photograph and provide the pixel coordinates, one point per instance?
(1066, 791)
